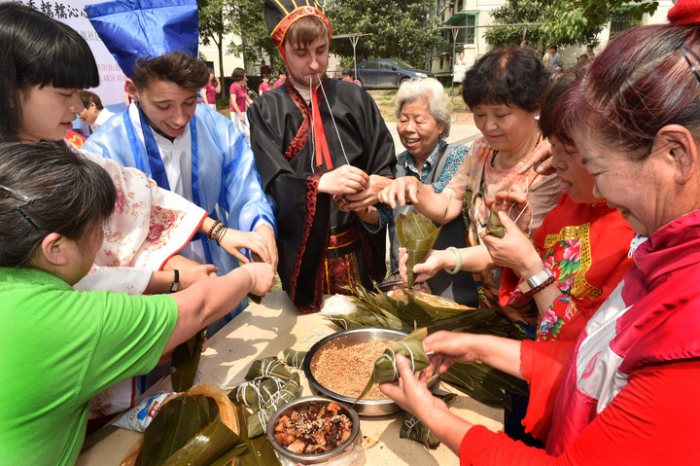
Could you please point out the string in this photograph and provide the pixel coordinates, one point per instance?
(335, 126)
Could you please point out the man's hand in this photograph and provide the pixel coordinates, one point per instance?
(368, 196)
(268, 236)
(345, 179)
(234, 240)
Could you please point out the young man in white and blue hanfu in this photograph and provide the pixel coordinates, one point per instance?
(184, 146)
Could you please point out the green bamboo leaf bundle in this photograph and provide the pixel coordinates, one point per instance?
(484, 383)
(293, 358)
(259, 452)
(415, 309)
(254, 393)
(185, 361)
(417, 233)
(257, 422)
(196, 428)
(268, 367)
(413, 429)
(494, 227)
(385, 369)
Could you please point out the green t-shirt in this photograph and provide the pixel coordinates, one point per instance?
(59, 348)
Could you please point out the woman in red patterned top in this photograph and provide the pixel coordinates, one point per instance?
(582, 243)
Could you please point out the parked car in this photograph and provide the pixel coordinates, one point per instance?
(387, 72)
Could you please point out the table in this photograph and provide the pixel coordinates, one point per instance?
(264, 330)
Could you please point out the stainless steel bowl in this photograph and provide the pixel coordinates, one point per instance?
(321, 457)
(346, 338)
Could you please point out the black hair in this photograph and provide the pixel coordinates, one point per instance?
(45, 188)
(38, 50)
(511, 76)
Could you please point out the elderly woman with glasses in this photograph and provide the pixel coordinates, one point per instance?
(423, 110)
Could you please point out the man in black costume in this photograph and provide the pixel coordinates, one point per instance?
(321, 146)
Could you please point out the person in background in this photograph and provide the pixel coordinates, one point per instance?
(347, 76)
(264, 85)
(281, 79)
(94, 115)
(316, 141)
(423, 111)
(552, 59)
(52, 207)
(625, 396)
(589, 52)
(209, 92)
(239, 101)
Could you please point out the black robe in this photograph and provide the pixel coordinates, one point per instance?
(280, 124)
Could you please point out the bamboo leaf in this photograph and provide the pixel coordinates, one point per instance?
(268, 367)
(385, 370)
(196, 428)
(185, 361)
(494, 226)
(417, 234)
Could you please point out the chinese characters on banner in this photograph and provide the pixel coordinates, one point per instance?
(72, 13)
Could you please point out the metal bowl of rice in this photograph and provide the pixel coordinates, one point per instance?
(339, 366)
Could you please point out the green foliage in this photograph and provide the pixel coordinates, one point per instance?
(564, 22)
(399, 28)
(247, 22)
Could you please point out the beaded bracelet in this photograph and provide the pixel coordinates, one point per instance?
(458, 256)
(212, 230)
(221, 232)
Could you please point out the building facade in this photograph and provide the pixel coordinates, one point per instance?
(474, 18)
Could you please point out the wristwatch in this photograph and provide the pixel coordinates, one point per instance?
(536, 282)
(176, 281)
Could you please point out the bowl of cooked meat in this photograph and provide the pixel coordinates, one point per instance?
(314, 429)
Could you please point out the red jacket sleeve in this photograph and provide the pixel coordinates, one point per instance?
(652, 421)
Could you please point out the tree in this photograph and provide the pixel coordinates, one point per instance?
(248, 23)
(399, 28)
(564, 22)
(213, 27)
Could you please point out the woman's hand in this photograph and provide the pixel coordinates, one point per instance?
(412, 394)
(540, 160)
(514, 250)
(262, 277)
(435, 261)
(345, 179)
(233, 240)
(404, 189)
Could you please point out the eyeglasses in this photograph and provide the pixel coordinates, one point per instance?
(28, 201)
(685, 51)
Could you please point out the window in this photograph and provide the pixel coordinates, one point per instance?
(460, 5)
(470, 30)
(370, 66)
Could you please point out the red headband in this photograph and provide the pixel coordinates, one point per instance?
(281, 29)
(685, 13)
